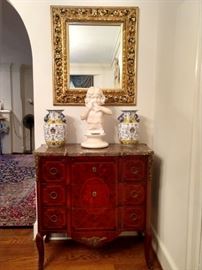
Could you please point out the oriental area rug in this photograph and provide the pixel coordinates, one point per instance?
(17, 190)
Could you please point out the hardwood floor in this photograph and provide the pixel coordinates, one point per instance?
(18, 252)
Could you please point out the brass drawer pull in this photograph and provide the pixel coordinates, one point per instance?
(94, 169)
(53, 195)
(133, 217)
(53, 171)
(94, 194)
(54, 218)
(134, 194)
(134, 170)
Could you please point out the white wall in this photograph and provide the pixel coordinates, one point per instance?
(16, 107)
(1, 33)
(174, 111)
(42, 67)
(14, 53)
(15, 47)
(5, 97)
(27, 104)
(5, 85)
(0, 29)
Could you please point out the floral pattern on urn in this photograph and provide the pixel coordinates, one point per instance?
(54, 128)
(128, 127)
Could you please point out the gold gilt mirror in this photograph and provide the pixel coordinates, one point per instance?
(94, 46)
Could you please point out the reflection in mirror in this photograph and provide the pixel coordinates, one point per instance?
(95, 55)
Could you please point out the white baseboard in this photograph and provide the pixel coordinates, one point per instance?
(162, 253)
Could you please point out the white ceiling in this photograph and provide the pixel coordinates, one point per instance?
(93, 43)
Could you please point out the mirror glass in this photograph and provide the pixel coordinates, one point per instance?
(95, 55)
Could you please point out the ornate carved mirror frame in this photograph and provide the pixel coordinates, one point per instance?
(127, 17)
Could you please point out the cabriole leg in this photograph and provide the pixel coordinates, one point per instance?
(40, 248)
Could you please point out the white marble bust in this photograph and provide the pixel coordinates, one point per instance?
(94, 113)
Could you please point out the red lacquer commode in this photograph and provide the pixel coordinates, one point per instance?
(93, 195)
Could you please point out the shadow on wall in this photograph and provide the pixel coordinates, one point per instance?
(110, 126)
(70, 129)
(143, 132)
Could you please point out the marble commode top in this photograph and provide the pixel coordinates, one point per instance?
(112, 150)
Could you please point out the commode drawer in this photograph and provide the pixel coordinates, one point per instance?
(82, 170)
(94, 219)
(53, 195)
(131, 194)
(54, 218)
(132, 218)
(53, 170)
(133, 169)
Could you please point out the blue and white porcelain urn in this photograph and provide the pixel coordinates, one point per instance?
(128, 127)
(54, 128)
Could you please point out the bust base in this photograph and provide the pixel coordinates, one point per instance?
(94, 141)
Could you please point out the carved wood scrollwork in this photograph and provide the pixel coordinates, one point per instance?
(61, 16)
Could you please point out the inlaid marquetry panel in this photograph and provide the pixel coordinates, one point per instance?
(94, 193)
